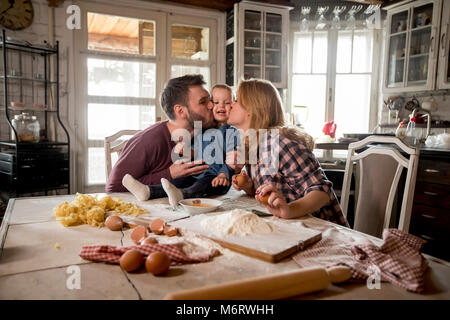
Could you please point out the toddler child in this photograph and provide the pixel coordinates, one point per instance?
(218, 175)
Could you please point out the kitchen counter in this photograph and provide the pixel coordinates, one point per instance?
(32, 268)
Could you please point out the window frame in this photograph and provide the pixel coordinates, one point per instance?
(157, 12)
(332, 72)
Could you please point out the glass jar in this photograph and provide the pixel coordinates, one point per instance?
(27, 128)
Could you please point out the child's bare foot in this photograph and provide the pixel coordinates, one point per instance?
(139, 190)
(174, 194)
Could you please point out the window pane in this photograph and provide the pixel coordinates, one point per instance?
(96, 165)
(302, 53)
(344, 52)
(106, 119)
(121, 78)
(180, 70)
(320, 52)
(309, 91)
(351, 111)
(362, 51)
(190, 42)
(118, 34)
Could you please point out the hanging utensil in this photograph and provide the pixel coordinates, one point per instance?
(412, 104)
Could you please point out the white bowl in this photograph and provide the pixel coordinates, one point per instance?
(189, 205)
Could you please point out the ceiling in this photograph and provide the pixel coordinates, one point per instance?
(224, 5)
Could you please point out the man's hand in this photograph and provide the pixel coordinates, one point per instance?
(220, 180)
(182, 169)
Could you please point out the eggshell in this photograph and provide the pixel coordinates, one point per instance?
(157, 226)
(131, 260)
(170, 231)
(240, 179)
(114, 223)
(149, 240)
(139, 233)
(263, 199)
(157, 263)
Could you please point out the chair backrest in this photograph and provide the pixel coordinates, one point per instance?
(380, 169)
(115, 144)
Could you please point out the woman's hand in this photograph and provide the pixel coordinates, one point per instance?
(220, 180)
(276, 204)
(245, 184)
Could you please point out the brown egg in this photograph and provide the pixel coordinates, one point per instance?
(157, 226)
(149, 240)
(157, 263)
(131, 260)
(240, 180)
(114, 223)
(139, 233)
(170, 231)
(264, 199)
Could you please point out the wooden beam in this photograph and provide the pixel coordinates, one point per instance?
(54, 3)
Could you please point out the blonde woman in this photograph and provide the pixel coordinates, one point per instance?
(298, 185)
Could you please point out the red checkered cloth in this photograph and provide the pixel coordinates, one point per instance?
(112, 254)
(398, 259)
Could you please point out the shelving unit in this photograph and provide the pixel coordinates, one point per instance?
(32, 167)
(256, 44)
(411, 46)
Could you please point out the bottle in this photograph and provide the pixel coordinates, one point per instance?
(401, 130)
(27, 128)
(412, 134)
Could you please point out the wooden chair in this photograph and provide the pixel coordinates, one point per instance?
(115, 144)
(380, 168)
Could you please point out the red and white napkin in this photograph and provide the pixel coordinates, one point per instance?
(398, 259)
(112, 254)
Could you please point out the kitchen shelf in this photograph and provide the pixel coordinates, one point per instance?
(421, 28)
(31, 109)
(398, 33)
(420, 55)
(28, 167)
(27, 79)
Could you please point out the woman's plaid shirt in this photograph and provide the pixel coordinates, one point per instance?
(292, 168)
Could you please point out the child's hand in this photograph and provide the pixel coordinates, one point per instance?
(246, 183)
(220, 180)
(276, 203)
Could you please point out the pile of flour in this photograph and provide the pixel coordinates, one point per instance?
(236, 222)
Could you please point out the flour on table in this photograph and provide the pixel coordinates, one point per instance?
(236, 222)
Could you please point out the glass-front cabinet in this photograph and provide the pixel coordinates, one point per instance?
(412, 45)
(444, 44)
(260, 33)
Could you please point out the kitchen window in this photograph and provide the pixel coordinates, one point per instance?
(333, 78)
(124, 58)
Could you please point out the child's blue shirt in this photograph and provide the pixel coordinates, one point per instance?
(211, 140)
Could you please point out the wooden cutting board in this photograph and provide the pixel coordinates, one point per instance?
(286, 239)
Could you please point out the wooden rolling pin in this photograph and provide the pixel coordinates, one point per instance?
(269, 287)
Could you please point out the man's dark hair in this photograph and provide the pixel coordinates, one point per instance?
(177, 92)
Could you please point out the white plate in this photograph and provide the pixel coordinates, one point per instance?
(187, 204)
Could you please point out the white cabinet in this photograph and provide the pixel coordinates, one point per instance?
(256, 45)
(444, 43)
(412, 43)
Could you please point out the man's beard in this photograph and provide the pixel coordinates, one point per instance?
(193, 116)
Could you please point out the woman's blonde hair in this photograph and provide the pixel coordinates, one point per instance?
(262, 100)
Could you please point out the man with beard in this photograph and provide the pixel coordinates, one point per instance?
(147, 155)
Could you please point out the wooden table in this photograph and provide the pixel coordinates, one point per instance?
(31, 267)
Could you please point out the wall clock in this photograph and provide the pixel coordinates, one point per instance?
(16, 14)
